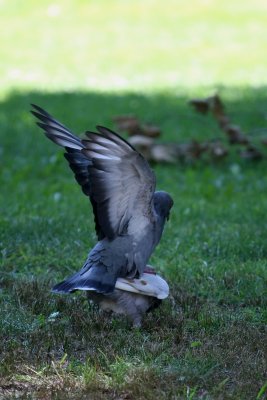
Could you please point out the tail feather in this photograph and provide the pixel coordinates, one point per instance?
(96, 279)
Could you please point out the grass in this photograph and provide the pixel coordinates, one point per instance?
(119, 44)
(209, 339)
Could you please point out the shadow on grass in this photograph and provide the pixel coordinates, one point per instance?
(207, 338)
(34, 174)
(247, 107)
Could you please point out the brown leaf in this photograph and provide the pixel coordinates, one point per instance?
(141, 141)
(212, 103)
(217, 150)
(191, 151)
(128, 123)
(216, 106)
(201, 106)
(223, 121)
(196, 149)
(143, 144)
(236, 136)
(150, 130)
(164, 153)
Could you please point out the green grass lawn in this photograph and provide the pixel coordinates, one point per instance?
(86, 62)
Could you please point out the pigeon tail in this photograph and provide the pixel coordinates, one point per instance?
(96, 279)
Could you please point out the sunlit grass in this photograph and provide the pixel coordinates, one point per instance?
(111, 45)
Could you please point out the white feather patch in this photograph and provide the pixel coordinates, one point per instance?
(148, 285)
(107, 142)
(97, 146)
(104, 157)
(66, 143)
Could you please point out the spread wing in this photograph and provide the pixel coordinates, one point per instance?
(122, 182)
(78, 162)
(117, 179)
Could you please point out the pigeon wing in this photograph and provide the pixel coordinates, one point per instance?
(122, 182)
(78, 162)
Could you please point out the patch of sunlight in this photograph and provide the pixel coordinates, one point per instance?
(136, 46)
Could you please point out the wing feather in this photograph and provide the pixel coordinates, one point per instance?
(78, 162)
(122, 182)
(112, 173)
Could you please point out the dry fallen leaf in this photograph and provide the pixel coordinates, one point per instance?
(235, 135)
(217, 150)
(128, 123)
(164, 153)
(142, 144)
(223, 121)
(141, 141)
(150, 130)
(216, 106)
(131, 125)
(142, 137)
(201, 106)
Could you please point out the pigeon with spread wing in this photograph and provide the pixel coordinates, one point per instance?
(129, 214)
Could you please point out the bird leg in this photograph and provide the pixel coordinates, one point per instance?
(149, 270)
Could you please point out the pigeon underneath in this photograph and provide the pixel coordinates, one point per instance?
(129, 214)
(133, 297)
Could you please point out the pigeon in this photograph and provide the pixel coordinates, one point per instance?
(129, 214)
(134, 297)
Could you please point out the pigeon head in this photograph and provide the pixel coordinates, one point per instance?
(163, 203)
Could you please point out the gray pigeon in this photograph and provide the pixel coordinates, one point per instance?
(129, 214)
